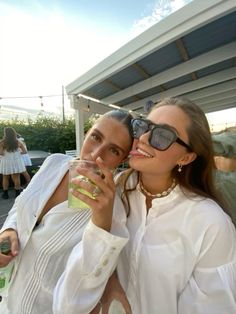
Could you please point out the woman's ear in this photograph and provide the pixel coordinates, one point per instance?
(187, 158)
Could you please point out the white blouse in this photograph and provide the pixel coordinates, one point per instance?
(44, 249)
(180, 258)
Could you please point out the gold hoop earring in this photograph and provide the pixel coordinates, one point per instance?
(180, 168)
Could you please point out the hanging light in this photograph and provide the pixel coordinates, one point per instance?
(41, 99)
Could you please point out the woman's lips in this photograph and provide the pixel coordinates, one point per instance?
(138, 152)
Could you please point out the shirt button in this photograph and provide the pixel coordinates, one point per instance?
(98, 272)
(105, 262)
(112, 249)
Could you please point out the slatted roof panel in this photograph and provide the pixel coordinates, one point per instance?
(199, 54)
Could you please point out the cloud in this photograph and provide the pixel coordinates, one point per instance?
(43, 49)
(161, 9)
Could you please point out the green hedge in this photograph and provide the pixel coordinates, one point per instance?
(46, 133)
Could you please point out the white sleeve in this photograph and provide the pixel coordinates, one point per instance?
(11, 220)
(54, 159)
(211, 288)
(88, 269)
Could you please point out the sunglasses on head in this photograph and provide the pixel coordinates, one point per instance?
(161, 136)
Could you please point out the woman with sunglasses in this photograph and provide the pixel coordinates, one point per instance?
(181, 251)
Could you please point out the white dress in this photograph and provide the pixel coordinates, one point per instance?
(26, 159)
(11, 162)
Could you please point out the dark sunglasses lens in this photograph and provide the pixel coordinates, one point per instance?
(139, 127)
(161, 138)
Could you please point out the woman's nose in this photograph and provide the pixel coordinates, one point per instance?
(98, 152)
(144, 137)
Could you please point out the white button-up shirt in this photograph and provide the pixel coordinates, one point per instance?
(180, 258)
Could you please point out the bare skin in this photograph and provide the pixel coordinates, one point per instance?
(113, 291)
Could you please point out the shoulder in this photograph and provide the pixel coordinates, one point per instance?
(205, 219)
(55, 159)
(20, 143)
(205, 209)
(130, 176)
(58, 157)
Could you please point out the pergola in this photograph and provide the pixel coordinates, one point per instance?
(190, 53)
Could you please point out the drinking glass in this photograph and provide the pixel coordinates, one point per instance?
(75, 202)
(5, 272)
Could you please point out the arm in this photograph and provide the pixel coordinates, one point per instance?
(88, 269)
(9, 231)
(212, 284)
(9, 228)
(113, 291)
(94, 259)
(22, 147)
(12, 236)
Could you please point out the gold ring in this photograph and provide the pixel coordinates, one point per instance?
(96, 191)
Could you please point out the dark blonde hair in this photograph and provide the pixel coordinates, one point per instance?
(10, 142)
(197, 176)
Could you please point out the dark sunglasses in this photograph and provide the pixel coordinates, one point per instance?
(161, 136)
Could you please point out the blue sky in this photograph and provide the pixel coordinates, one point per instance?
(46, 44)
(53, 42)
(118, 13)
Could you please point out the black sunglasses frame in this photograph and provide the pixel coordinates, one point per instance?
(152, 127)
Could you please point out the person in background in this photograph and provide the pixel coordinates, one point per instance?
(180, 257)
(42, 228)
(224, 143)
(11, 164)
(27, 161)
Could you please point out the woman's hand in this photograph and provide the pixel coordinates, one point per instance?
(102, 204)
(113, 291)
(12, 237)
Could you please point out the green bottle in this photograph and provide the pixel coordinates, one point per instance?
(6, 271)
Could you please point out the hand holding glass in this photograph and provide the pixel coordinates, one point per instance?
(5, 272)
(74, 202)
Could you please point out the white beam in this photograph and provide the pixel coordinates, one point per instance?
(227, 104)
(190, 17)
(213, 90)
(218, 97)
(217, 103)
(209, 80)
(205, 60)
(79, 123)
(84, 108)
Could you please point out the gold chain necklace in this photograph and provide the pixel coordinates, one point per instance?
(158, 195)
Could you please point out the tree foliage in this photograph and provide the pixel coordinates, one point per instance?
(46, 133)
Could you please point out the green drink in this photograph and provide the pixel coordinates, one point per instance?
(5, 272)
(74, 202)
